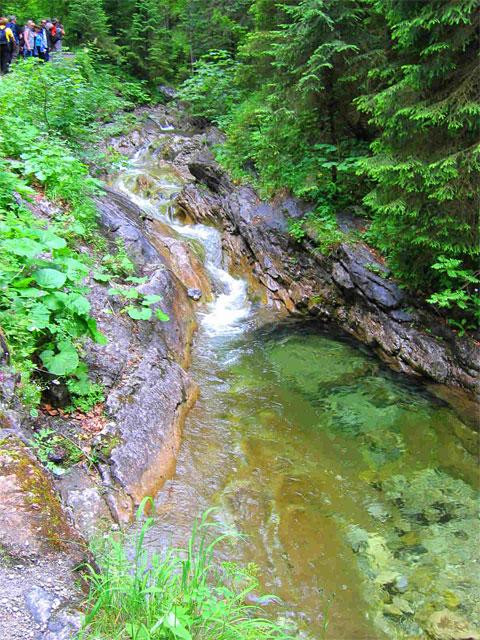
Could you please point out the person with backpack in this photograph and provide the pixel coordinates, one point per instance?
(39, 43)
(57, 35)
(6, 45)
(12, 24)
(43, 27)
(48, 28)
(28, 34)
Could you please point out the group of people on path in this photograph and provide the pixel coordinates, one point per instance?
(37, 40)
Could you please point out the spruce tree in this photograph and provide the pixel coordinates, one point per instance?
(86, 22)
(426, 158)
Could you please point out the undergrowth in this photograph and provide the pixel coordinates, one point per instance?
(51, 115)
(183, 594)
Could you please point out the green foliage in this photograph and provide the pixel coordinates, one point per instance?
(84, 393)
(182, 594)
(137, 304)
(306, 76)
(86, 22)
(115, 265)
(47, 114)
(210, 90)
(425, 159)
(47, 442)
(291, 131)
(43, 309)
(458, 290)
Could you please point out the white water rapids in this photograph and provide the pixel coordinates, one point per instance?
(231, 307)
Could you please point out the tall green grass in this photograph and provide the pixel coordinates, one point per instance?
(181, 595)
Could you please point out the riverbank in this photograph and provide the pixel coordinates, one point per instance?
(350, 288)
(132, 441)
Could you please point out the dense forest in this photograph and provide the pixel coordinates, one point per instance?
(363, 104)
(353, 103)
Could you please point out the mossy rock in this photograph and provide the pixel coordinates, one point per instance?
(32, 520)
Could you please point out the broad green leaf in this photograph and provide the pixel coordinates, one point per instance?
(56, 300)
(32, 292)
(101, 276)
(115, 291)
(23, 247)
(162, 316)
(22, 283)
(131, 294)
(175, 625)
(49, 278)
(136, 280)
(50, 239)
(39, 317)
(62, 363)
(78, 304)
(76, 270)
(151, 299)
(139, 313)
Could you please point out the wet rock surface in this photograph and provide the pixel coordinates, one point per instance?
(141, 366)
(350, 288)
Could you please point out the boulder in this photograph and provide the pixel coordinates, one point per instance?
(40, 550)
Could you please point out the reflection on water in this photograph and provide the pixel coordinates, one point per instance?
(346, 480)
(353, 487)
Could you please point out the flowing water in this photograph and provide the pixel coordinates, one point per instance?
(355, 488)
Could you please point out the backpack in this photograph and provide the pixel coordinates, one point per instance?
(38, 42)
(3, 36)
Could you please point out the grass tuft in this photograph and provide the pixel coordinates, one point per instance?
(181, 595)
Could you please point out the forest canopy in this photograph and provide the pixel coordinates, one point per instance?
(367, 105)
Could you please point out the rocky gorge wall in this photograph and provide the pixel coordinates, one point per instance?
(350, 288)
(47, 520)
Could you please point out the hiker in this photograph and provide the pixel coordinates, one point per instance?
(57, 35)
(43, 27)
(28, 34)
(6, 45)
(39, 43)
(12, 24)
(48, 28)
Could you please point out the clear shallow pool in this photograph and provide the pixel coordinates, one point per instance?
(350, 484)
(355, 489)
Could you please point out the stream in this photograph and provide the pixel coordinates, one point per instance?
(354, 488)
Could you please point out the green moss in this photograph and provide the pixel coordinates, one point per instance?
(108, 444)
(37, 493)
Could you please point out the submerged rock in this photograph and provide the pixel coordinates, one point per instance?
(447, 625)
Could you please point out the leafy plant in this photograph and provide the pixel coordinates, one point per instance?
(48, 444)
(459, 291)
(140, 310)
(43, 308)
(296, 229)
(182, 594)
